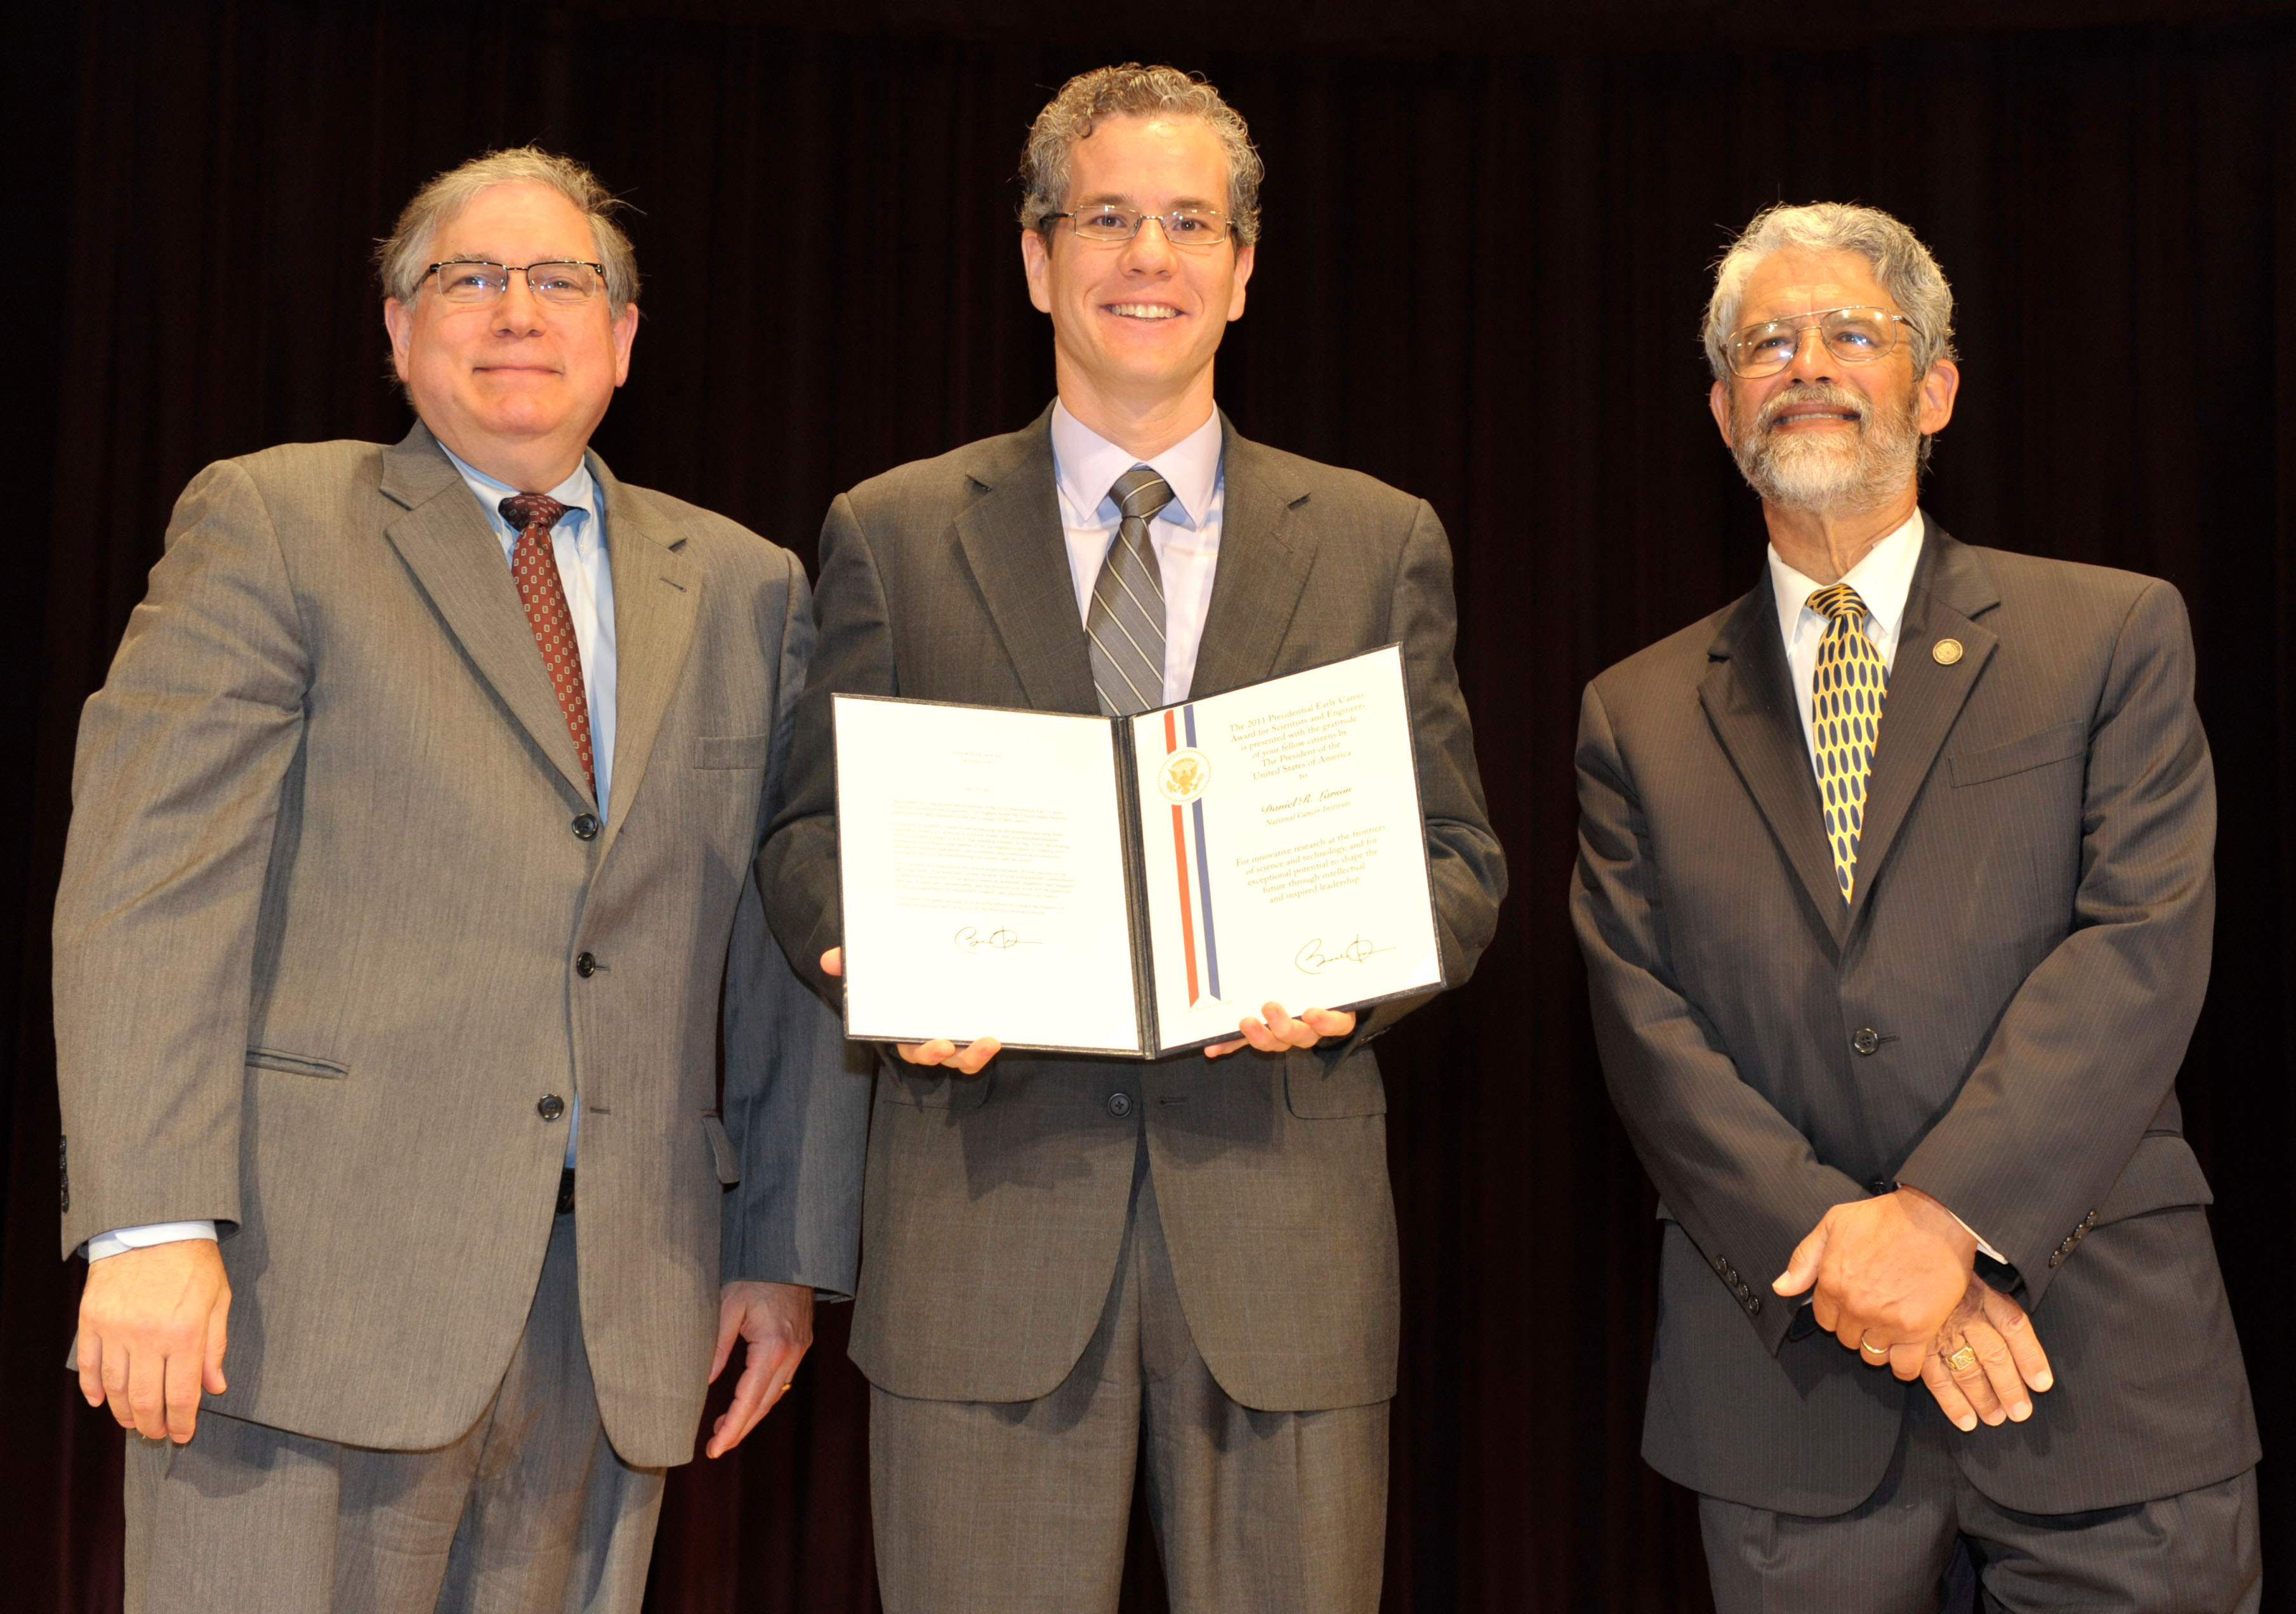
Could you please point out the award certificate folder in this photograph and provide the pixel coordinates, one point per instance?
(1132, 886)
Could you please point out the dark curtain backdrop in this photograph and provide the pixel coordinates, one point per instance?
(1487, 235)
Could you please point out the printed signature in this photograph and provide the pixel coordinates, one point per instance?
(972, 938)
(1311, 958)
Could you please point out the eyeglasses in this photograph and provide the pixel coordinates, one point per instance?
(1855, 336)
(469, 280)
(1182, 227)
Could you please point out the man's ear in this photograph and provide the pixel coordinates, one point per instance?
(1037, 264)
(398, 321)
(625, 331)
(1245, 257)
(1939, 389)
(1717, 401)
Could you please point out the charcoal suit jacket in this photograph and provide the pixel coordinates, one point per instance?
(338, 922)
(1996, 1019)
(996, 1204)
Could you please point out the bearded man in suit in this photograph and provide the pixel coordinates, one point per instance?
(1068, 1258)
(414, 825)
(1894, 886)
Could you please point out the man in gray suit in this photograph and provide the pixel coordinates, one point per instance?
(1069, 1259)
(1895, 886)
(411, 827)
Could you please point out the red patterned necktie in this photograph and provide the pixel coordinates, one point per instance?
(535, 569)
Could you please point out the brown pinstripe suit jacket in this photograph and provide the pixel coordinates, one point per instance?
(2028, 944)
(315, 948)
(995, 1205)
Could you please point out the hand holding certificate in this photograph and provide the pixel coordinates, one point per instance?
(1134, 885)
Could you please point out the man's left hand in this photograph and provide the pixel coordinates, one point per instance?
(777, 1321)
(1280, 1033)
(1888, 1273)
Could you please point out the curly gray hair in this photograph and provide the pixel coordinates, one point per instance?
(1133, 91)
(402, 260)
(1901, 263)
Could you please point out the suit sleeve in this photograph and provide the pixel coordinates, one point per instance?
(797, 1102)
(2088, 1048)
(797, 869)
(183, 757)
(1465, 866)
(1740, 1179)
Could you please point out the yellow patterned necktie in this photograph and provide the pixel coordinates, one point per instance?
(1845, 719)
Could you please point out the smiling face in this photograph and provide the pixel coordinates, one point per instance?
(1822, 435)
(1136, 324)
(516, 386)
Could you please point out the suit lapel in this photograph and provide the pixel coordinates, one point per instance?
(657, 600)
(1749, 698)
(1014, 543)
(1949, 588)
(446, 541)
(1264, 559)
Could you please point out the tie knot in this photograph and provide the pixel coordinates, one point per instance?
(527, 511)
(1140, 493)
(1838, 601)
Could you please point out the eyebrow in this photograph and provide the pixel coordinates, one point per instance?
(1123, 198)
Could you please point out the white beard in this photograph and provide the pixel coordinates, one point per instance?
(1820, 474)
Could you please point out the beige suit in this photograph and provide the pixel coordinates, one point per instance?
(337, 923)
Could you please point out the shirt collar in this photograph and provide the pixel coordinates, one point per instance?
(1087, 465)
(578, 493)
(1883, 579)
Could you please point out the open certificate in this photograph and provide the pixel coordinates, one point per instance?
(1132, 885)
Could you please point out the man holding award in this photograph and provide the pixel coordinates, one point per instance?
(1067, 1253)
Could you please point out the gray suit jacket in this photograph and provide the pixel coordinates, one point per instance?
(1998, 1019)
(327, 884)
(997, 1204)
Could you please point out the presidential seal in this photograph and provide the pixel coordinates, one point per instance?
(1184, 776)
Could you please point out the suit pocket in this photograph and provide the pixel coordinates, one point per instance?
(730, 750)
(1315, 1092)
(921, 1091)
(296, 1064)
(2162, 1173)
(722, 1158)
(2067, 740)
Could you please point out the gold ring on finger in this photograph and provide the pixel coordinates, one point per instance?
(1963, 1360)
(1872, 1350)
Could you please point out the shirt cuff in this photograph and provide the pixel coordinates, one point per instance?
(121, 1239)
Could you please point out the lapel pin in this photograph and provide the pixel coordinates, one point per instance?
(1945, 652)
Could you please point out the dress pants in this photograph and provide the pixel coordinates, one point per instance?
(1021, 1507)
(530, 1512)
(2192, 1553)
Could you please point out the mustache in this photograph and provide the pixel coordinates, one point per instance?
(1799, 394)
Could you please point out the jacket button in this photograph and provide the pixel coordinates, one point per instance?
(585, 965)
(550, 1106)
(1119, 1104)
(586, 826)
(1879, 1185)
(1866, 1040)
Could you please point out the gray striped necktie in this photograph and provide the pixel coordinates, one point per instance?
(1126, 619)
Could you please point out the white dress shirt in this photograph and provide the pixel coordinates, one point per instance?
(1883, 579)
(1185, 534)
(578, 542)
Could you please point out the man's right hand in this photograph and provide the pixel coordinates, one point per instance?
(151, 1335)
(2008, 1360)
(966, 1061)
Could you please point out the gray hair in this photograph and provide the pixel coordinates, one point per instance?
(1901, 263)
(1133, 91)
(402, 260)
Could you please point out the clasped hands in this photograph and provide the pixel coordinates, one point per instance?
(1277, 1033)
(1893, 1279)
